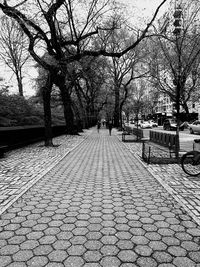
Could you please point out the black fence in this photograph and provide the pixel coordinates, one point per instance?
(164, 139)
(128, 132)
(160, 148)
(14, 137)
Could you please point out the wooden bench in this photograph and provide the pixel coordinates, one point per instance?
(138, 133)
(2, 150)
(162, 143)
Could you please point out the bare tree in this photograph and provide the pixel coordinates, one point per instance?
(175, 60)
(14, 49)
(125, 70)
(67, 35)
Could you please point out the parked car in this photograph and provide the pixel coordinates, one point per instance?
(138, 123)
(194, 127)
(171, 124)
(131, 122)
(153, 123)
(145, 124)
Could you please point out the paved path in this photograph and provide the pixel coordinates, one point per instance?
(99, 206)
(184, 188)
(23, 167)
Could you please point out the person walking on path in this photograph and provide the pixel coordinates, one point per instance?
(98, 126)
(110, 126)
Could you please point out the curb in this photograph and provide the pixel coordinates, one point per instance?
(177, 197)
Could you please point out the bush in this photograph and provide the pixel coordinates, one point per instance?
(16, 110)
(31, 120)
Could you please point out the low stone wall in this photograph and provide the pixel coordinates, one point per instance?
(19, 136)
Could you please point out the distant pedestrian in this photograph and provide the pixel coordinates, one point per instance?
(110, 126)
(98, 126)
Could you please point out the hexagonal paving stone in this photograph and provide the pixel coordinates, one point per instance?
(166, 232)
(18, 264)
(38, 261)
(76, 250)
(125, 244)
(140, 240)
(47, 239)
(64, 235)
(80, 231)
(5, 260)
(183, 262)
(162, 257)
(190, 246)
(35, 235)
(42, 250)
(143, 250)
(94, 227)
(110, 261)
(94, 235)
(177, 251)
(127, 256)
(12, 227)
(108, 230)
(137, 231)
(183, 236)
(18, 239)
(157, 245)
(92, 256)
(153, 236)
(108, 223)
(146, 261)
(195, 256)
(9, 250)
(7, 234)
(93, 245)
(171, 241)
(109, 250)
(23, 255)
(109, 240)
(58, 255)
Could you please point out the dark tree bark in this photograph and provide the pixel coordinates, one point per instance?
(117, 108)
(67, 104)
(19, 82)
(82, 110)
(46, 95)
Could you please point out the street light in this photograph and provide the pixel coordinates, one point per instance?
(177, 21)
(177, 81)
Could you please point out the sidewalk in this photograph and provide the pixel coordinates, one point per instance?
(97, 206)
(21, 168)
(184, 188)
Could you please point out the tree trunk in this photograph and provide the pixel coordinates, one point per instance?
(67, 104)
(177, 148)
(82, 112)
(46, 95)
(117, 108)
(20, 85)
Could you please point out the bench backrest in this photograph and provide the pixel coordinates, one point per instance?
(136, 131)
(164, 139)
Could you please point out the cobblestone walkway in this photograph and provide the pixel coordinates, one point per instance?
(98, 206)
(23, 167)
(184, 188)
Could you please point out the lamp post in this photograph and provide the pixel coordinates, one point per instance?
(177, 80)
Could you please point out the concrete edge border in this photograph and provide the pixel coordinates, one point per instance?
(178, 198)
(31, 183)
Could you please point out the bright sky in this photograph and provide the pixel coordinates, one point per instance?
(146, 8)
(142, 8)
